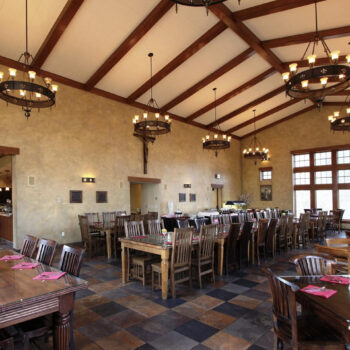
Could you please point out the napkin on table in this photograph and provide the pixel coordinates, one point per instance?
(12, 257)
(335, 279)
(25, 266)
(51, 275)
(316, 290)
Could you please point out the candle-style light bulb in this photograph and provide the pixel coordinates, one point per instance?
(304, 84)
(336, 114)
(12, 72)
(285, 76)
(311, 59)
(31, 74)
(145, 115)
(324, 81)
(293, 67)
(335, 56)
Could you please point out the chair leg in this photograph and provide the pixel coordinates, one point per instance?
(277, 344)
(213, 272)
(173, 291)
(190, 277)
(199, 276)
(144, 275)
(152, 280)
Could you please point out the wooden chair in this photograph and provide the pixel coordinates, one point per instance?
(261, 238)
(119, 230)
(71, 260)
(182, 223)
(281, 233)
(303, 230)
(46, 251)
(244, 240)
(231, 247)
(341, 255)
(215, 219)
(152, 215)
(337, 242)
(180, 266)
(226, 219)
(242, 217)
(109, 219)
(93, 218)
(120, 213)
(250, 216)
(134, 228)
(271, 237)
(290, 231)
(29, 246)
(321, 226)
(347, 233)
(313, 264)
(6, 341)
(155, 227)
(301, 332)
(198, 222)
(203, 263)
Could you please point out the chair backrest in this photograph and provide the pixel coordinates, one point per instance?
(93, 218)
(231, 242)
(109, 219)
(223, 228)
(321, 224)
(271, 231)
(313, 264)
(258, 215)
(304, 223)
(337, 242)
(244, 239)
(84, 228)
(307, 210)
(199, 222)
(226, 219)
(250, 216)
(283, 226)
(207, 241)
(262, 230)
(182, 223)
(182, 247)
(136, 217)
(215, 219)
(155, 227)
(242, 217)
(119, 224)
(268, 213)
(134, 228)
(71, 260)
(120, 213)
(29, 246)
(152, 215)
(46, 251)
(290, 225)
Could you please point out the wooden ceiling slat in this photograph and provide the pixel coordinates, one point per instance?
(306, 37)
(263, 115)
(227, 17)
(232, 93)
(61, 24)
(249, 105)
(212, 33)
(293, 115)
(153, 17)
(340, 103)
(210, 78)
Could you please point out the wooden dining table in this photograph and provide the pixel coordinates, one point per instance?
(23, 299)
(107, 230)
(335, 310)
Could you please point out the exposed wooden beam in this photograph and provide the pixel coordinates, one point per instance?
(227, 17)
(247, 106)
(293, 115)
(263, 115)
(270, 8)
(306, 37)
(153, 17)
(341, 103)
(342, 93)
(210, 78)
(62, 22)
(232, 93)
(212, 33)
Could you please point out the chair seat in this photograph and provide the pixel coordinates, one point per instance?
(142, 259)
(157, 267)
(202, 262)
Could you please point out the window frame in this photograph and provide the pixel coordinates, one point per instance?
(261, 171)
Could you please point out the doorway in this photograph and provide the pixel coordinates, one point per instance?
(217, 196)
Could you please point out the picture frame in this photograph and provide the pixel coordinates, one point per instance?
(266, 193)
(101, 197)
(75, 196)
(182, 197)
(192, 197)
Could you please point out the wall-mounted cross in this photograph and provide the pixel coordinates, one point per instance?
(145, 140)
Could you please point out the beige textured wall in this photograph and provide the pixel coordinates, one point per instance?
(87, 135)
(309, 130)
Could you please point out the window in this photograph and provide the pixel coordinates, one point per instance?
(265, 175)
(344, 203)
(302, 201)
(324, 199)
(323, 158)
(301, 160)
(323, 177)
(302, 178)
(343, 157)
(344, 176)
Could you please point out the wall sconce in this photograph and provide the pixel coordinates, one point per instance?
(187, 185)
(0, 189)
(217, 176)
(7, 189)
(88, 179)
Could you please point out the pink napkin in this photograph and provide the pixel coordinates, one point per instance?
(26, 266)
(335, 279)
(139, 237)
(195, 238)
(54, 275)
(316, 290)
(12, 257)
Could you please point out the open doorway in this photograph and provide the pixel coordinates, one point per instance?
(217, 196)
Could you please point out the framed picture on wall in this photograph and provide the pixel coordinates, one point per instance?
(266, 192)
(192, 197)
(75, 196)
(101, 197)
(182, 197)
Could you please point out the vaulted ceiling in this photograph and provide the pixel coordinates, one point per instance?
(102, 46)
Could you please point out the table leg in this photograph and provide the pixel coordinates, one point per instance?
(253, 248)
(165, 273)
(61, 334)
(109, 244)
(221, 256)
(125, 264)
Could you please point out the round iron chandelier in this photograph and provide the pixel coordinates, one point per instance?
(216, 142)
(331, 78)
(339, 122)
(151, 124)
(29, 90)
(255, 151)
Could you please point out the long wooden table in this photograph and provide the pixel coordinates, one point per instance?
(335, 311)
(23, 299)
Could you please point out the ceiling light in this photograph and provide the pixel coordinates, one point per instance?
(339, 121)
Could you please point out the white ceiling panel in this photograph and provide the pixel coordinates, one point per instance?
(244, 72)
(90, 39)
(42, 15)
(170, 36)
(337, 99)
(233, 5)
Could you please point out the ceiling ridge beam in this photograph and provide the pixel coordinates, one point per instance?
(137, 34)
(293, 115)
(232, 93)
(249, 105)
(61, 24)
(209, 79)
(228, 17)
(339, 32)
(270, 8)
(263, 115)
(212, 33)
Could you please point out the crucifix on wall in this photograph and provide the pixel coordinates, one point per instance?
(145, 141)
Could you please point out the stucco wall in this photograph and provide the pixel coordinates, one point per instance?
(88, 135)
(309, 130)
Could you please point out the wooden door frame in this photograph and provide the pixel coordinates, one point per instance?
(143, 180)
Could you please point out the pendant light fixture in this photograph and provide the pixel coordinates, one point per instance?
(339, 121)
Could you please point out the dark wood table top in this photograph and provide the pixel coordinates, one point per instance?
(18, 286)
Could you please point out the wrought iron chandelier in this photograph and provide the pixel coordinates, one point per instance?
(255, 151)
(30, 90)
(198, 3)
(215, 142)
(333, 77)
(151, 124)
(339, 122)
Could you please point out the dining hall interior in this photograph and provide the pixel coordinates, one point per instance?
(174, 174)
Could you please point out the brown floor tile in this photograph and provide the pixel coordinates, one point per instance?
(80, 340)
(247, 302)
(126, 318)
(131, 300)
(84, 317)
(92, 300)
(218, 284)
(216, 319)
(93, 281)
(148, 308)
(222, 340)
(190, 310)
(105, 286)
(255, 278)
(264, 287)
(92, 346)
(207, 302)
(101, 266)
(121, 340)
